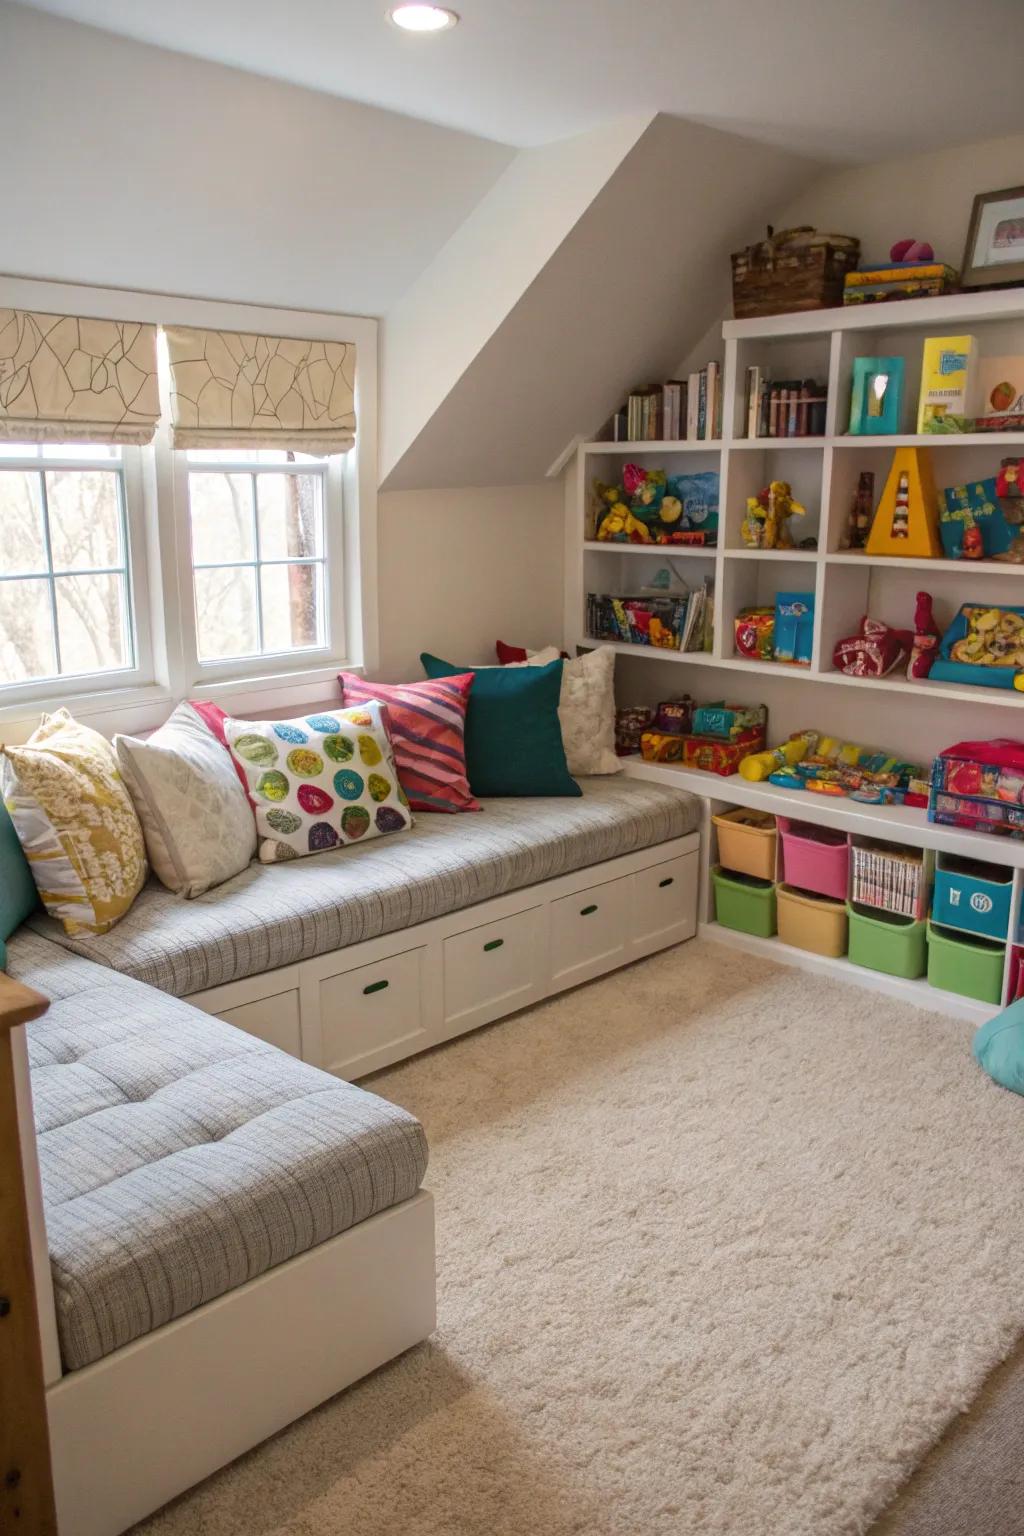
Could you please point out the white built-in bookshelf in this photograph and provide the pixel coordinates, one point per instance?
(915, 719)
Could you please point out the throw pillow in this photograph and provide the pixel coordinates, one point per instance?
(18, 895)
(513, 739)
(319, 781)
(195, 816)
(586, 708)
(428, 731)
(76, 823)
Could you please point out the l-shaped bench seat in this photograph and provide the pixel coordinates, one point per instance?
(355, 958)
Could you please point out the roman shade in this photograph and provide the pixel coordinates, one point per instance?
(231, 389)
(66, 378)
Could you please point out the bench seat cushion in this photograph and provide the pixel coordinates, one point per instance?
(181, 1157)
(269, 917)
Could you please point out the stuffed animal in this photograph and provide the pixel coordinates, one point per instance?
(768, 513)
(911, 250)
(874, 651)
(926, 638)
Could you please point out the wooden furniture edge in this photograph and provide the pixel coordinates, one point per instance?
(19, 1004)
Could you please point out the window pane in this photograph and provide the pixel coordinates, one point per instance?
(291, 525)
(292, 606)
(26, 641)
(226, 613)
(91, 622)
(221, 508)
(81, 451)
(22, 545)
(85, 519)
(19, 450)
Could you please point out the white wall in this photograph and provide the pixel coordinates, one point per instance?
(461, 569)
(133, 167)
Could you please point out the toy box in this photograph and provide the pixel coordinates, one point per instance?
(729, 720)
(714, 755)
(674, 717)
(983, 645)
(661, 747)
(794, 627)
(947, 381)
(980, 784)
(972, 896)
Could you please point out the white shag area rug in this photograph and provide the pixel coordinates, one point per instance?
(723, 1247)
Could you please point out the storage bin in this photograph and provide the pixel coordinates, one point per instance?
(972, 896)
(811, 922)
(889, 877)
(884, 941)
(970, 967)
(746, 842)
(743, 902)
(814, 858)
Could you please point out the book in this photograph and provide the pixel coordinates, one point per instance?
(702, 405)
(898, 272)
(692, 392)
(948, 368)
(714, 400)
(879, 293)
(752, 401)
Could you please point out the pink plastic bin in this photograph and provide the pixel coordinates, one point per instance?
(814, 858)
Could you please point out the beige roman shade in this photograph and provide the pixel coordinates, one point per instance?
(68, 379)
(230, 389)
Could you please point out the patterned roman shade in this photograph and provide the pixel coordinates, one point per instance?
(234, 390)
(70, 379)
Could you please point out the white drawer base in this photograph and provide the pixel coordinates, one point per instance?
(365, 1007)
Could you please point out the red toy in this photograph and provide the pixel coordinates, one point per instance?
(873, 651)
(926, 638)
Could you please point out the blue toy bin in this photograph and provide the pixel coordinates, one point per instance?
(999, 1047)
(972, 896)
(945, 670)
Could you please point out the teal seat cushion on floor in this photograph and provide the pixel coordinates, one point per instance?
(18, 894)
(999, 1047)
(513, 737)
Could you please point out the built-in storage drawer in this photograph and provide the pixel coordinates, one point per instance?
(492, 970)
(590, 932)
(373, 1015)
(663, 907)
(275, 1019)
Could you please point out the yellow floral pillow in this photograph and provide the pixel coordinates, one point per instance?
(75, 822)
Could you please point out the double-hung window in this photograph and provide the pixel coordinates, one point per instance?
(68, 583)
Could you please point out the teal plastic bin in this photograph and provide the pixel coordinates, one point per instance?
(967, 966)
(744, 902)
(885, 941)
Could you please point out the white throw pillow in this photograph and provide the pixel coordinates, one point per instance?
(196, 820)
(586, 708)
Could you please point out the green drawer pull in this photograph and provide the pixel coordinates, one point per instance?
(374, 986)
(586, 911)
(493, 944)
(667, 881)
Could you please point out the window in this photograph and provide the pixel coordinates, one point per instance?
(258, 545)
(66, 602)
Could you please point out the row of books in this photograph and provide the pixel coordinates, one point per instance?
(784, 407)
(679, 410)
(892, 880)
(899, 280)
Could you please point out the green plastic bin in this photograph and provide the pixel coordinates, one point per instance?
(970, 967)
(885, 941)
(744, 902)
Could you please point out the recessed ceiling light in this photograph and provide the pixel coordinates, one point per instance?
(422, 18)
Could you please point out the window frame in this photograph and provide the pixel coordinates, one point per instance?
(77, 684)
(163, 600)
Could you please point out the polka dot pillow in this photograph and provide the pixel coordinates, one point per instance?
(320, 781)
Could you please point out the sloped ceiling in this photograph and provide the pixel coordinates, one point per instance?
(627, 293)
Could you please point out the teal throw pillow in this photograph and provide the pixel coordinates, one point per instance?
(513, 738)
(18, 894)
(999, 1047)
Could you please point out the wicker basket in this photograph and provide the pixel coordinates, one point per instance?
(792, 270)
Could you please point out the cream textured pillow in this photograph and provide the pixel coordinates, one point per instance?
(75, 822)
(586, 709)
(195, 816)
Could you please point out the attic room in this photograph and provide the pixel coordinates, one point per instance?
(512, 826)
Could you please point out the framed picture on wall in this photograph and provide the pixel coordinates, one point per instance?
(995, 240)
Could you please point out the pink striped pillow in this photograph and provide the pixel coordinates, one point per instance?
(428, 724)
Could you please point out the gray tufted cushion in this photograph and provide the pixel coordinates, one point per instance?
(272, 916)
(181, 1157)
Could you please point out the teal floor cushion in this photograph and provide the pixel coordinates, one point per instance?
(18, 895)
(999, 1047)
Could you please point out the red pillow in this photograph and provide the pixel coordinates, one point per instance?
(427, 723)
(507, 654)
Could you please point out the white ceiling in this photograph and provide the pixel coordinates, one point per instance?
(834, 79)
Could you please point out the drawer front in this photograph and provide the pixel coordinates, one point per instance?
(275, 1019)
(492, 970)
(663, 907)
(373, 1015)
(589, 932)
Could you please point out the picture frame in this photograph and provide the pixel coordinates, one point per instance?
(876, 396)
(994, 254)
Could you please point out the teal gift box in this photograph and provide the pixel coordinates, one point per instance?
(876, 396)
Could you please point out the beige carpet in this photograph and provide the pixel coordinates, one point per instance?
(723, 1248)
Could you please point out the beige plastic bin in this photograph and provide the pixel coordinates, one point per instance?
(816, 923)
(746, 842)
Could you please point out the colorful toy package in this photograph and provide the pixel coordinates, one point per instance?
(972, 522)
(650, 507)
(980, 784)
(983, 646)
(674, 717)
(715, 755)
(661, 747)
(754, 630)
(729, 721)
(697, 496)
(793, 635)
